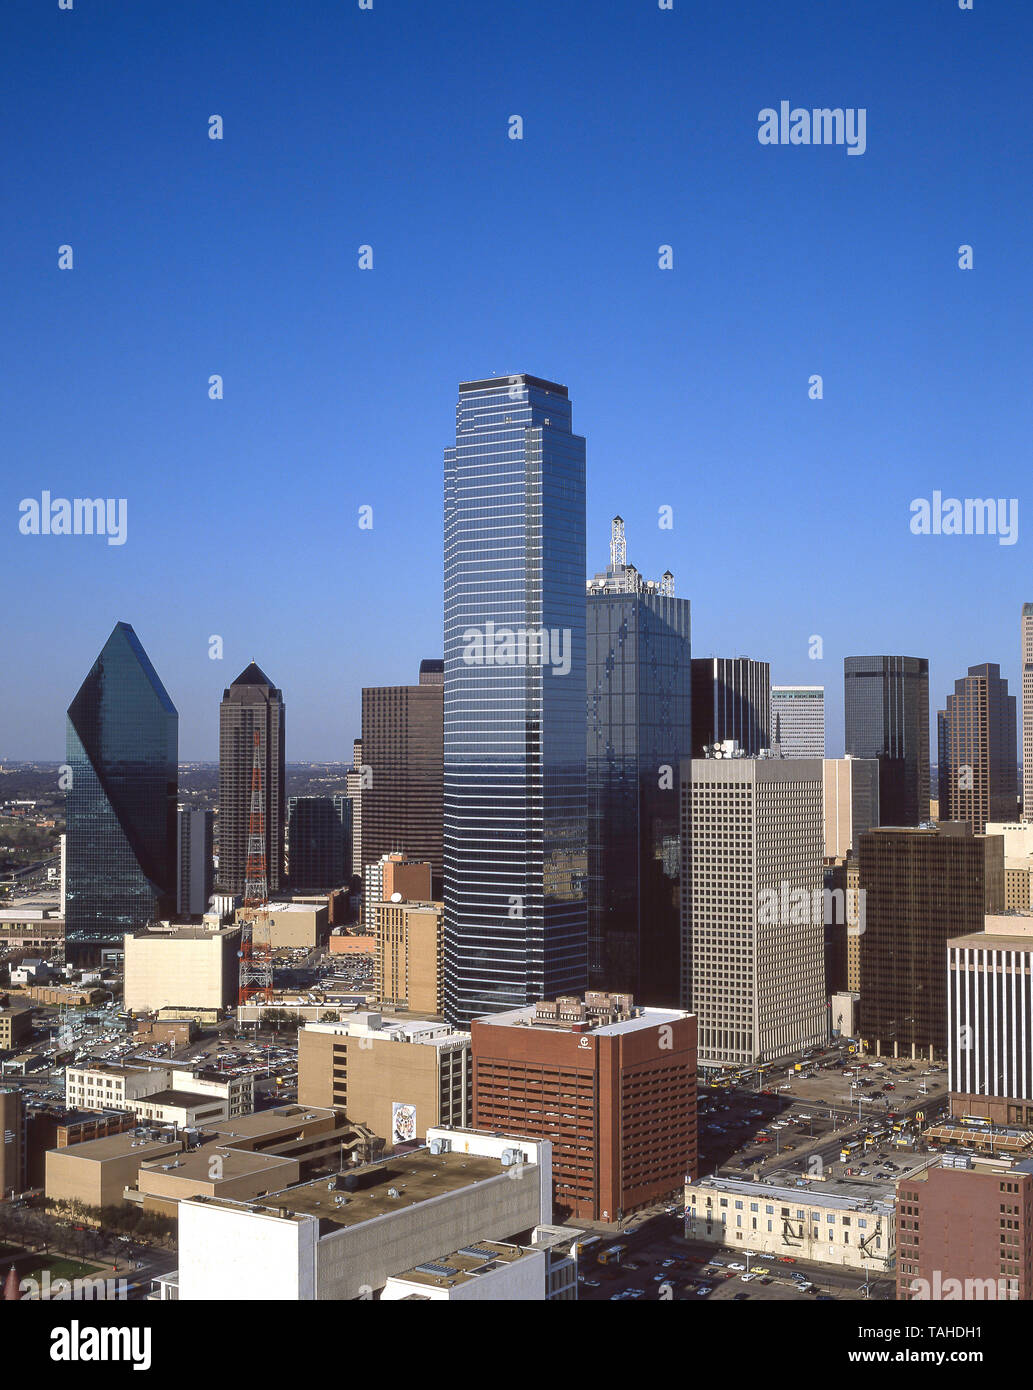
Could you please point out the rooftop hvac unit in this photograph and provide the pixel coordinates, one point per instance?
(511, 1156)
(392, 1191)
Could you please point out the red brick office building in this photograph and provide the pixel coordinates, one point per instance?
(611, 1085)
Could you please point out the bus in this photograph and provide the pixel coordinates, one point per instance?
(613, 1254)
(584, 1244)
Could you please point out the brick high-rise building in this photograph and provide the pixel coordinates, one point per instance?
(611, 1085)
(403, 747)
(251, 703)
(966, 1232)
(920, 888)
(977, 739)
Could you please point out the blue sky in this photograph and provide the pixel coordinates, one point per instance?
(389, 127)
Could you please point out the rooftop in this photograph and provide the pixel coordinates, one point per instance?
(465, 1264)
(840, 1194)
(414, 1177)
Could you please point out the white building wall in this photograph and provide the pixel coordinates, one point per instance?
(226, 1253)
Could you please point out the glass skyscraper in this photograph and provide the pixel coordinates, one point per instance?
(639, 672)
(122, 753)
(515, 799)
(886, 708)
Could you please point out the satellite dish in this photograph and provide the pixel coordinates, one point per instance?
(396, 897)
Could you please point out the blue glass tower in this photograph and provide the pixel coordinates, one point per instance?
(120, 807)
(639, 667)
(515, 796)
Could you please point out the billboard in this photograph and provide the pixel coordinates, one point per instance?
(403, 1123)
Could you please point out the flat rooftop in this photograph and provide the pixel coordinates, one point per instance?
(284, 1119)
(118, 1145)
(463, 1265)
(416, 1177)
(195, 1166)
(187, 1100)
(834, 1192)
(525, 1018)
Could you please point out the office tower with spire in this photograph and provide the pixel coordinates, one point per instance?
(886, 709)
(1027, 711)
(122, 754)
(514, 751)
(402, 745)
(252, 703)
(639, 675)
(798, 721)
(731, 700)
(977, 733)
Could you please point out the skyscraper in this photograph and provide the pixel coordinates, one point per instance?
(753, 954)
(319, 843)
(639, 672)
(120, 809)
(886, 707)
(251, 703)
(980, 778)
(798, 720)
(402, 745)
(195, 868)
(731, 699)
(920, 888)
(1027, 711)
(515, 799)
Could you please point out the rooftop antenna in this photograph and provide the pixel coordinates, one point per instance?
(618, 549)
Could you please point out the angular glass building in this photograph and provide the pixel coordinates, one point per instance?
(886, 709)
(122, 752)
(514, 749)
(639, 672)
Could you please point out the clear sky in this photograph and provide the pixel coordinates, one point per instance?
(389, 127)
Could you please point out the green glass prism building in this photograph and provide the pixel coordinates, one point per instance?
(514, 748)
(122, 752)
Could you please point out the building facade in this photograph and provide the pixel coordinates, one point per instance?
(1027, 711)
(886, 709)
(402, 745)
(753, 913)
(731, 699)
(397, 1077)
(798, 720)
(120, 805)
(195, 861)
(990, 1021)
(251, 705)
(851, 789)
(920, 887)
(639, 672)
(515, 844)
(612, 1086)
(965, 1232)
(979, 768)
(319, 843)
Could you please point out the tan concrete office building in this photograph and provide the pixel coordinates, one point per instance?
(98, 1171)
(187, 966)
(290, 926)
(410, 951)
(15, 1025)
(399, 1078)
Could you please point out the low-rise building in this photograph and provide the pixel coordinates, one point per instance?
(834, 1223)
(99, 1171)
(490, 1271)
(15, 1024)
(300, 925)
(192, 967)
(160, 1093)
(398, 1077)
(344, 1239)
(965, 1231)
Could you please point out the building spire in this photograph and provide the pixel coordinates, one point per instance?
(618, 548)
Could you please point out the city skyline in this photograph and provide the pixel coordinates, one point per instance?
(240, 258)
